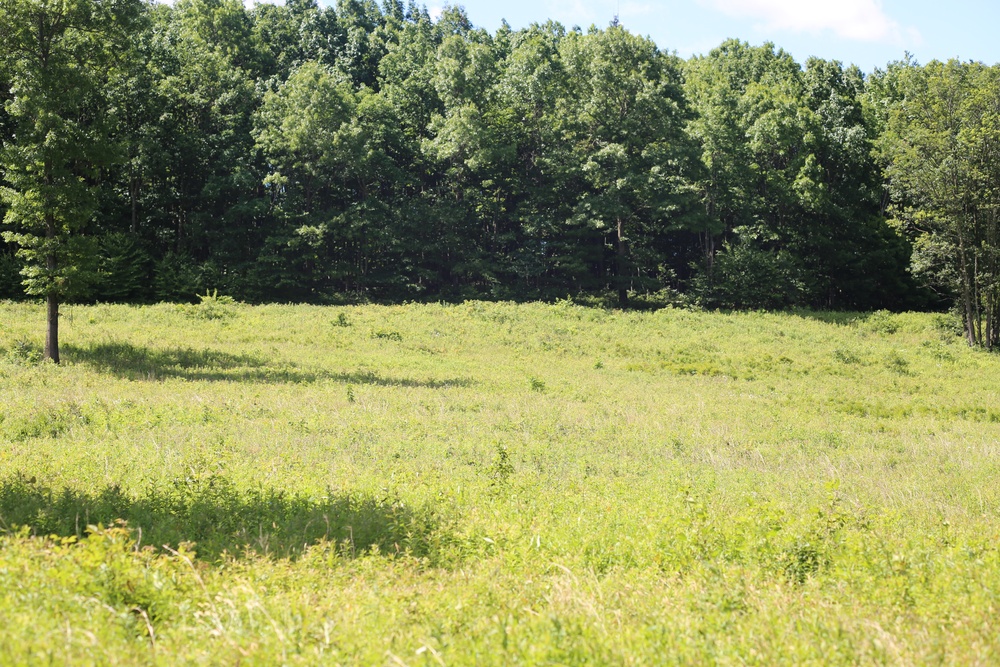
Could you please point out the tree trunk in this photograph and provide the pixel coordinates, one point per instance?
(180, 230)
(133, 193)
(968, 291)
(52, 299)
(708, 247)
(620, 267)
(52, 332)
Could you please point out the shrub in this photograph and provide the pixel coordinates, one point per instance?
(745, 277)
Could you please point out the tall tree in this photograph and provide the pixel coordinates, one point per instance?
(57, 56)
(624, 113)
(202, 186)
(463, 148)
(531, 82)
(304, 132)
(789, 185)
(942, 148)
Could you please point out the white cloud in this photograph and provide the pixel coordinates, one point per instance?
(857, 20)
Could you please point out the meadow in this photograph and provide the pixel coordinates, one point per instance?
(496, 484)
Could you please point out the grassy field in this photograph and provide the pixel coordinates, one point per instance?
(496, 484)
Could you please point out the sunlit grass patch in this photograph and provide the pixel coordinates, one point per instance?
(490, 483)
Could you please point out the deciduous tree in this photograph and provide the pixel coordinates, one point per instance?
(57, 56)
(942, 148)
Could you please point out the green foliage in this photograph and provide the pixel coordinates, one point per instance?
(882, 322)
(351, 153)
(208, 514)
(10, 277)
(57, 58)
(384, 334)
(743, 276)
(943, 170)
(125, 270)
(624, 113)
(502, 468)
(211, 306)
(71, 276)
(177, 278)
(24, 351)
(788, 172)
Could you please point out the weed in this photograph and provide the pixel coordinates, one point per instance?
(213, 306)
(501, 468)
(948, 325)
(845, 356)
(42, 422)
(881, 322)
(897, 364)
(24, 351)
(801, 561)
(937, 350)
(385, 334)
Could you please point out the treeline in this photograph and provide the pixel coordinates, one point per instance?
(300, 153)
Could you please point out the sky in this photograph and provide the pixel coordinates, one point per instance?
(867, 33)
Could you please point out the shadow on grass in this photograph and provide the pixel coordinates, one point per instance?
(133, 362)
(841, 318)
(221, 519)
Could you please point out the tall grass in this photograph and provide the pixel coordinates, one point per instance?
(495, 484)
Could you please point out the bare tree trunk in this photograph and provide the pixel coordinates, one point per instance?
(992, 296)
(133, 192)
(180, 230)
(968, 290)
(620, 267)
(976, 300)
(708, 247)
(52, 301)
(52, 331)
(969, 304)
(708, 239)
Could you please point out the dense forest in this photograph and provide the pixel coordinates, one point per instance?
(305, 153)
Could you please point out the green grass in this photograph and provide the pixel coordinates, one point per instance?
(496, 484)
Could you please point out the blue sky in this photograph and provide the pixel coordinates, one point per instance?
(868, 33)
